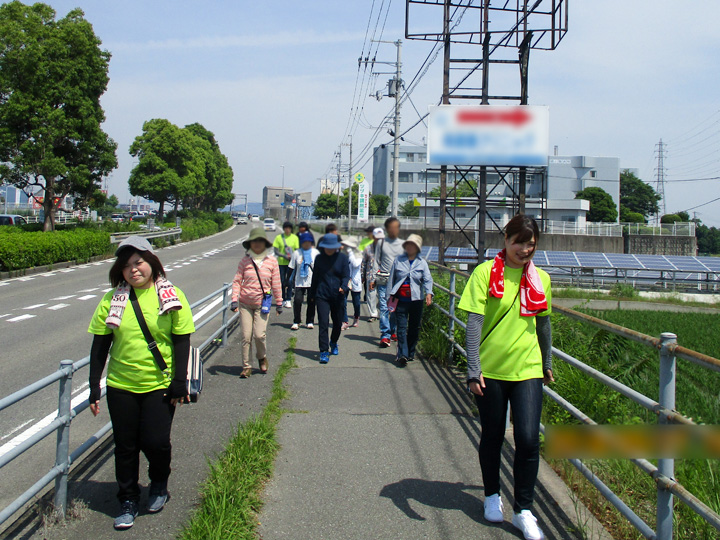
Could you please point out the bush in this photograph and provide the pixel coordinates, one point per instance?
(19, 250)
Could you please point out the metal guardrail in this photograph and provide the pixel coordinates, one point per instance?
(64, 459)
(664, 408)
(116, 238)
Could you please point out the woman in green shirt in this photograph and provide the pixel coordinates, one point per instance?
(508, 301)
(141, 396)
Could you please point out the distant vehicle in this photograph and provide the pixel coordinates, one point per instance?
(254, 217)
(242, 220)
(269, 224)
(117, 218)
(12, 219)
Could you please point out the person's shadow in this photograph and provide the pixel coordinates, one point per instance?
(444, 495)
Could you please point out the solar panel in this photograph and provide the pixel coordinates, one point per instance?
(562, 258)
(596, 260)
(540, 258)
(655, 262)
(687, 263)
(623, 260)
(713, 263)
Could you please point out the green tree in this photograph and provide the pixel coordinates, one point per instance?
(408, 208)
(170, 166)
(637, 196)
(344, 200)
(217, 187)
(326, 206)
(670, 218)
(602, 206)
(461, 189)
(52, 75)
(628, 216)
(378, 204)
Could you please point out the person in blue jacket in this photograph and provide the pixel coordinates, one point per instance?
(331, 274)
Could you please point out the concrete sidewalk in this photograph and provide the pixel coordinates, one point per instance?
(373, 451)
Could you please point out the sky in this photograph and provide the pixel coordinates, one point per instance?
(276, 82)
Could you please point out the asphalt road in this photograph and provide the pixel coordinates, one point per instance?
(44, 319)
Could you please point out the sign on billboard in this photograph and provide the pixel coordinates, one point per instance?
(363, 198)
(488, 135)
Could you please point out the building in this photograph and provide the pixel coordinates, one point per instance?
(273, 199)
(413, 178)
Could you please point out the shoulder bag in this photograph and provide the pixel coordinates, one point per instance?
(267, 297)
(501, 318)
(381, 278)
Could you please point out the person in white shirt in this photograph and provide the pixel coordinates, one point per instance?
(368, 263)
(301, 265)
(351, 249)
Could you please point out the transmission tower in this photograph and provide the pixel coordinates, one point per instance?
(661, 174)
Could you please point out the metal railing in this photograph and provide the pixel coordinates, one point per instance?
(64, 459)
(116, 238)
(664, 408)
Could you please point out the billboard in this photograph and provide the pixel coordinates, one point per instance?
(363, 197)
(492, 135)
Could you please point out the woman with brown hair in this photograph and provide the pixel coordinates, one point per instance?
(144, 384)
(508, 301)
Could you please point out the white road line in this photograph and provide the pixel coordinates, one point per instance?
(89, 290)
(58, 306)
(207, 308)
(186, 264)
(64, 297)
(66, 270)
(99, 263)
(169, 269)
(47, 274)
(193, 260)
(107, 290)
(5, 315)
(87, 297)
(35, 306)
(16, 429)
(25, 278)
(3, 283)
(21, 318)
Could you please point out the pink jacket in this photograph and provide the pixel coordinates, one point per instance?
(246, 288)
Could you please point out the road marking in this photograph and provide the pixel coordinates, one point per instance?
(207, 308)
(107, 290)
(100, 263)
(16, 429)
(66, 270)
(87, 297)
(64, 297)
(5, 315)
(21, 318)
(193, 260)
(58, 306)
(169, 269)
(47, 274)
(25, 278)
(89, 290)
(34, 306)
(3, 283)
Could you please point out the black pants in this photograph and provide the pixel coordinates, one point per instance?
(141, 422)
(525, 398)
(409, 318)
(327, 308)
(286, 282)
(355, 302)
(300, 293)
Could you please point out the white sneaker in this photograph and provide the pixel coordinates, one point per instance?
(310, 326)
(294, 327)
(287, 304)
(527, 523)
(494, 508)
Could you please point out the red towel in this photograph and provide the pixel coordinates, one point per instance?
(532, 293)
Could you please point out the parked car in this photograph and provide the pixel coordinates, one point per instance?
(269, 224)
(12, 219)
(117, 218)
(242, 220)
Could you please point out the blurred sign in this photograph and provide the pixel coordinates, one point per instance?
(363, 200)
(359, 177)
(488, 135)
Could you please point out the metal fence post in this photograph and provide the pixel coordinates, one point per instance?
(226, 287)
(666, 466)
(451, 321)
(62, 449)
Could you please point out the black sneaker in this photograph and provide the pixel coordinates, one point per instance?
(128, 513)
(402, 361)
(157, 498)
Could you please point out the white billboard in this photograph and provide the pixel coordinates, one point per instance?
(495, 135)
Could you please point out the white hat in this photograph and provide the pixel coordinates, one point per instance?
(414, 239)
(378, 233)
(350, 242)
(135, 241)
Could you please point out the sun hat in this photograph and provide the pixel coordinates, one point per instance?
(370, 228)
(306, 237)
(135, 241)
(414, 239)
(378, 233)
(329, 241)
(350, 242)
(256, 234)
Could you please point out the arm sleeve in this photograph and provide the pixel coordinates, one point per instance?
(544, 335)
(427, 279)
(181, 353)
(98, 357)
(472, 345)
(275, 283)
(236, 284)
(390, 281)
(314, 281)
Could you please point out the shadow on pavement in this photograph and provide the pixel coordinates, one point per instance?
(444, 495)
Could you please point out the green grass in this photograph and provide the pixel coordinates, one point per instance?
(231, 496)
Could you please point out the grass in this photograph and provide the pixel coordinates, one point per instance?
(625, 293)
(636, 366)
(231, 494)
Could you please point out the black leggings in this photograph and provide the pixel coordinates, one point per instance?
(525, 398)
(326, 309)
(141, 422)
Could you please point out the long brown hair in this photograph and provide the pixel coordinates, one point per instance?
(116, 272)
(524, 227)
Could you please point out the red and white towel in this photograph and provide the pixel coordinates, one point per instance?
(532, 292)
(167, 297)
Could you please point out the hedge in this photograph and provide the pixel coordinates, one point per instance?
(19, 250)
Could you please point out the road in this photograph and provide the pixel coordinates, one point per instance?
(44, 319)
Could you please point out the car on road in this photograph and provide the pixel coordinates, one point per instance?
(254, 217)
(12, 219)
(242, 220)
(117, 218)
(269, 224)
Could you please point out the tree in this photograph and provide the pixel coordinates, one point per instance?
(602, 206)
(462, 189)
(408, 208)
(217, 187)
(627, 216)
(344, 201)
(326, 206)
(637, 196)
(170, 165)
(670, 218)
(378, 204)
(52, 75)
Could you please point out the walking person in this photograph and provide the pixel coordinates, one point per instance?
(143, 387)
(508, 301)
(368, 265)
(256, 284)
(301, 264)
(284, 245)
(386, 251)
(410, 285)
(331, 274)
(355, 284)
(303, 227)
(369, 238)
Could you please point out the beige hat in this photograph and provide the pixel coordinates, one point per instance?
(350, 242)
(415, 239)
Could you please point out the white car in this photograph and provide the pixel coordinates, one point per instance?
(242, 220)
(255, 217)
(269, 224)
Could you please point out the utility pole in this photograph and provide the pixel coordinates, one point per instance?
(660, 150)
(445, 101)
(337, 199)
(350, 189)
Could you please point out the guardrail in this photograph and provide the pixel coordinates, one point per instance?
(64, 459)
(116, 238)
(664, 408)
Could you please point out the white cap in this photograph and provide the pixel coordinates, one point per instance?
(137, 242)
(378, 233)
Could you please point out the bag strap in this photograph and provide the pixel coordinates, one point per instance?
(258, 276)
(152, 344)
(379, 264)
(501, 318)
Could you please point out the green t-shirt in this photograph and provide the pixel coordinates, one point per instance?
(292, 242)
(365, 242)
(132, 366)
(511, 352)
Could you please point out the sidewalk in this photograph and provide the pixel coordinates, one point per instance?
(372, 451)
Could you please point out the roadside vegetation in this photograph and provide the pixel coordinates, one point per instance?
(636, 366)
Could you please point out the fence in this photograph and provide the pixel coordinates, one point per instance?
(64, 459)
(669, 350)
(175, 232)
(664, 229)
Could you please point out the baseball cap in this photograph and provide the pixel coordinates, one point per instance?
(378, 233)
(137, 242)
